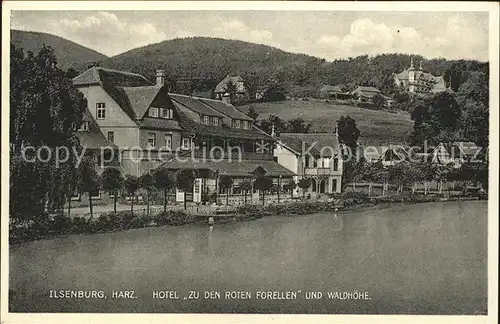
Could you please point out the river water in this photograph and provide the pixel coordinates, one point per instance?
(407, 259)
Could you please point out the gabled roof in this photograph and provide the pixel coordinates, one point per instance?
(467, 148)
(140, 98)
(221, 87)
(97, 75)
(196, 105)
(155, 123)
(331, 88)
(93, 139)
(228, 110)
(323, 144)
(366, 89)
(402, 75)
(399, 150)
(221, 131)
(234, 168)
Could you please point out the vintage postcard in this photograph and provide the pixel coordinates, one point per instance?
(247, 161)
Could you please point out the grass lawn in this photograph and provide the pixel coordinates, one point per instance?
(377, 127)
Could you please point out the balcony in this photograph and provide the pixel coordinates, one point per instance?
(321, 171)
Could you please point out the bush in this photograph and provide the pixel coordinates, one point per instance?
(139, 221)
(173, 218)
(61, 224)
(79, 225)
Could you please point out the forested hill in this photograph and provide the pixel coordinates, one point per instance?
(68, 53)
(205, 61)
(199, 63)
(209, 60)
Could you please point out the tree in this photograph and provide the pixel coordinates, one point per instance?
(297, 125)
(348, 132)
(89, 181)
(304, 184)
(112, 181)
(226, 183)
(231, 89)
(379, 100)
(381, 175)
(40, 96)
(252, 113)
(73, 184)
(369, 175)
(279, 124)
(246, 186)
(435, 120)
(184, 181)
(146, 182)
(290, 186)
(441, 173)
(263, 183)
(131, 185)
(164, 181)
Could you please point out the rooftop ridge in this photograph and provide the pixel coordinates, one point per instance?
(117, 71)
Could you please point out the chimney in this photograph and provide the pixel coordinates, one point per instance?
(92, 64)
(160, 78)
(420, 68)
(273, 131)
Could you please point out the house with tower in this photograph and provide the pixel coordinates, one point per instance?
(417, 81)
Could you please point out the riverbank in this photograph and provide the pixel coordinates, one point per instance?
(60, 225)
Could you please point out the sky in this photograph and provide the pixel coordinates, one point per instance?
(326, 34)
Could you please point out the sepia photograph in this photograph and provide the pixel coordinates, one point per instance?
(250, 158)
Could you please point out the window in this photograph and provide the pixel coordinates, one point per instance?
(335, 164)
(95, 194)
(168, 141)
(167, 113)
(153, 112)
(186, 143)
(306, 161)
(100, 110)
(245, 124)
(237, 123)
(112, 194)
(76, 196)
(151, 140)
(215, 121)
(84, 127)
(111, 136)
(206, 120)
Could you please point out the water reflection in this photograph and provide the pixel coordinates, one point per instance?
(411, 259)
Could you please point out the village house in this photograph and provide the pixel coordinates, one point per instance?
(316, 156)
(152, 127)
(417, 81)
(365, 94)
(333, 92)
(221, 88)
(453, 154)
(387, 155)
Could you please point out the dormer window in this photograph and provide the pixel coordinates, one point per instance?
(153, 112)
(215, 121)
(237, 123)
(206, 120)
(84, 127)
(167, 113)
(245, 124)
